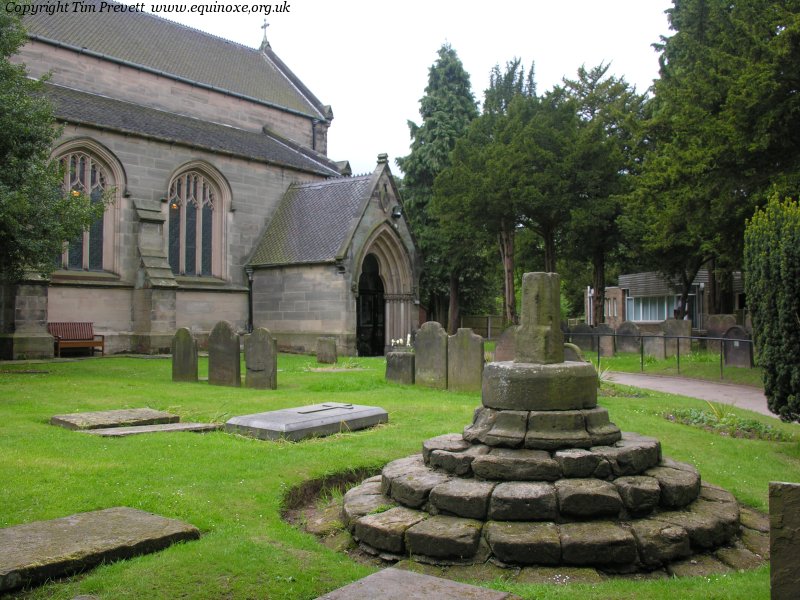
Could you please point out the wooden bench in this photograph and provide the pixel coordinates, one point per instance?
(75, 335)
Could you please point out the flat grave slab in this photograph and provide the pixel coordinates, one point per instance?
(35, 552)
(160, 428)
(129, 417)
(396, 584)
(307, 421)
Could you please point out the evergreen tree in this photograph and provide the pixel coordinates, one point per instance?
(36, 215)
(772, 284)
(718, 133)
(447, 108)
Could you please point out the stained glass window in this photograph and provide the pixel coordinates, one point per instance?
(192, 201)
(83, 175)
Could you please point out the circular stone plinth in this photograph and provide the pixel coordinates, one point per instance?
(710, 521)
(528, 386)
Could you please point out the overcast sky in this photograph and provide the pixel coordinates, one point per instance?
(369, 59)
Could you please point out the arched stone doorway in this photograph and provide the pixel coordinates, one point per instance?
(385, 249)
(371, 309)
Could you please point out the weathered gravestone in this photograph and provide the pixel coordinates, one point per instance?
(628, 336)
(504, 349)
(605, 337)
(738, 349)
(326, 350)
(716, 326)
(674, 330)
(184, 356)
(430, 365)
(464, 361)
(126, 417)
(315, 420)
(398, 584)
(36, 552)
(261, 360)
(784, 540)
(224, 363)
(400, 367)
(654, 345)
(582, 335)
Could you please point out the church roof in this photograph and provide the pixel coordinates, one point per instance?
(82, 108)
(160, 46)
(313, 222)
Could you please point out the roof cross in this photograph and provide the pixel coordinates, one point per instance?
(264, 42)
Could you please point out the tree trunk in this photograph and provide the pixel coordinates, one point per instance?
(599, 285)
(548, 236)
(507, 256)
(453, 309)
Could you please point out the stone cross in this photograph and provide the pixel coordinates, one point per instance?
(538, 338)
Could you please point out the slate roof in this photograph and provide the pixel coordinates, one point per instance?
(103, 112)
(652, 283)
(173, 50)
(313, 222)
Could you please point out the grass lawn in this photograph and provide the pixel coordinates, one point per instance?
(700, 364)
(232, 487)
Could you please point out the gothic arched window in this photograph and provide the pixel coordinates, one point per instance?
(194, 207)
(83, 174)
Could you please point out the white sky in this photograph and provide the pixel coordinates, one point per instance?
(369, 59)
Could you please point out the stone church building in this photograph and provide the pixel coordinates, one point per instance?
(225, 204)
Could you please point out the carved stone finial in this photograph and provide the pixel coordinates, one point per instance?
(538, 337)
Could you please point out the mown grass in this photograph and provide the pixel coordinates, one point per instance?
(233, 488)
(700, 364)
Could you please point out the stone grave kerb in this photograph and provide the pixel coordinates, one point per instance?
(539, 339)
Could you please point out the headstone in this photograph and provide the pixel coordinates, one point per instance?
(582, 335)
(654, 345)
(464, 361)
(784, 540)
(573, 353)
(539, 338)
(674, 330)
(504, 349)
(716, 326)
(738, 349)
(128, 417)
(184, 356)
(224, 363)
(400, 367)
(315, 420)
(605, 337)
(36, 552)
(628, 337)
(397, 584)
(430, 365)
(326, 350)
(261, 360)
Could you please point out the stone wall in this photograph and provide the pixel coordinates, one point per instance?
(97, 76)
(300, 304)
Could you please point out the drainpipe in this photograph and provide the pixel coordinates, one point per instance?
(249, 270)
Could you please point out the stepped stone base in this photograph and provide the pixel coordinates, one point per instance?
(618, 542)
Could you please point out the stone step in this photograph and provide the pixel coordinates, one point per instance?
(35, 552)
(129, 417)
(710, 522)
(161, 428)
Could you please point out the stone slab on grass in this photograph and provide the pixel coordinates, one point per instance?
(129, 417)
(35, 552)
(162, 428)
(315, 420)
(396, 584)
